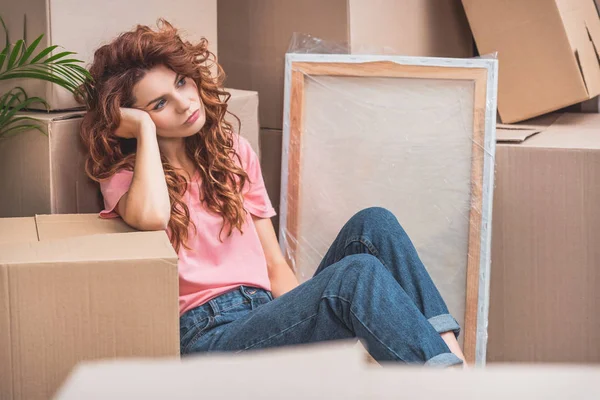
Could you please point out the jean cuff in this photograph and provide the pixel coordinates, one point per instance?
(444, 360)
(445, 323)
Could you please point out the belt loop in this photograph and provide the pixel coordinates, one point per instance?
(245, 293)
(214, 306)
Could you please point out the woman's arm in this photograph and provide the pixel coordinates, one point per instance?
(146, 205)
(280, 274)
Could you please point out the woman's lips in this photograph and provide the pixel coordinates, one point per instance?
(193, 118)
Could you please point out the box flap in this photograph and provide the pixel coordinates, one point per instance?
(518, 133)
(566, 131)
(62, 226)
(570, 131)
(103, 247)
(539, 72)
(514, 135)
(18, 230)
(582, 26)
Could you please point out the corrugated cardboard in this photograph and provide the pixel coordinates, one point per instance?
(42, 174)
(545, 259)
(244, 105)
(331, 371)
(270, 161)
(85, 290)
(254, 36)
(409, 27)
(83, 26)
(547, 52)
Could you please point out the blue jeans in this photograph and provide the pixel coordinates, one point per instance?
(371, 285)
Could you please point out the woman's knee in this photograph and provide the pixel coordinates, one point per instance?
(378, 219)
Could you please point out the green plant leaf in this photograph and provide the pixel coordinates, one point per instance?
(68, 61)
(75, 74)
(20, 106)
(5, 32)
(43, 76)
(43, 54)
(13, 130)
(30, 49)
(14, 54)
(83, 71)
(74, 78)
(11, 105)
(18, 119)
(8, 100)
(3, 57)
(66, 76)
(58, 56)
(5, 96)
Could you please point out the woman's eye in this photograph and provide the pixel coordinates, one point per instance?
(160, 104)
(181, 82)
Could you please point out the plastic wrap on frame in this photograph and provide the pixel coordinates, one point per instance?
(302, 43)
(400, 143)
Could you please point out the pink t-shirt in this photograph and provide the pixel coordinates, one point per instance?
(211, 267)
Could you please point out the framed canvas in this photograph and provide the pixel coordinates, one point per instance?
(410, 134)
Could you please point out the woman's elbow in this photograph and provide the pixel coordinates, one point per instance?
(150, 223)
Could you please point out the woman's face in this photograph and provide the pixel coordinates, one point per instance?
(172, 101)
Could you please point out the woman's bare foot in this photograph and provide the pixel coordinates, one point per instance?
(452, 343)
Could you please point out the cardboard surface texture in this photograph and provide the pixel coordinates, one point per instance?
(244, 105)
(254, 36)
(74, 26)
(77, 287)
(328, 371)
(547, 52)
(544, 252)
(44, 174)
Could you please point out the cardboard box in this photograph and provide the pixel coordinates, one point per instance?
(325, 371)
(42, 174)
(76, 287)
(254, 36)
(244, 105)
(82, 27)
(270, 161)
(547, 52)
(545, 273)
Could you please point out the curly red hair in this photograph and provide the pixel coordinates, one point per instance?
(116, 69)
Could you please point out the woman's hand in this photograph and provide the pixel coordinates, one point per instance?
(133, 123)
(146, 205)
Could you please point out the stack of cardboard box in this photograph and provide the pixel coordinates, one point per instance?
(545, 262)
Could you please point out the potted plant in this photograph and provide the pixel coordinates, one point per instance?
(20, 61)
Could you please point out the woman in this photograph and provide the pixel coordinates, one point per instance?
(166, 158)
